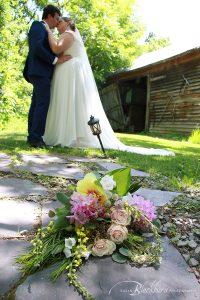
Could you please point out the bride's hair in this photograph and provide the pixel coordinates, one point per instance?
(71, 23)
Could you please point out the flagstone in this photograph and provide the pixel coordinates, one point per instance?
(54, 169)
(42, 159)
(9, 270)
(5, 162)
(107, 280)
(16, 187)
(16, 216)
(158, 197)
(110, 166)
(85, 159)
(39, 287)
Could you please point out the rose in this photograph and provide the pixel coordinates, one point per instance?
(117, 233)
(120, 216)
(103, 247)
(108, 183)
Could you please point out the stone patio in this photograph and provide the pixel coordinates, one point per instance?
(15, 187)
(103, 278)
(55, 169)
(5, 162)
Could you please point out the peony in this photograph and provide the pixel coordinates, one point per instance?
(120, 216)
(108, 183)
(117, 233)
(88, 186)
(103, 247)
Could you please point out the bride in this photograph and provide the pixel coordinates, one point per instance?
(74, 98)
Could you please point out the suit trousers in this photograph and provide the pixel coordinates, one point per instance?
(39, 107)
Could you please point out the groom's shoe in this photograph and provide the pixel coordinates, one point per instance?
(39, 144)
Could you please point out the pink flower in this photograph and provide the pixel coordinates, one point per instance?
(84, 208)
(120, 216)
(103, 247)
(146, 207)
(117, 233)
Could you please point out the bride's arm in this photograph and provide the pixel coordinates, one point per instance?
(59, 46)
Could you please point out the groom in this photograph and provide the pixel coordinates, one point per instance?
(38, 71)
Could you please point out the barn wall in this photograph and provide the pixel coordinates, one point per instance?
(174, 102)
(111, 102)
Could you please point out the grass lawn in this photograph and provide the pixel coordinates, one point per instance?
(183, 170)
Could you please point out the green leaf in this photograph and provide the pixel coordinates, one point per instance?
(71, 187)
(51, 214)
(61, 222)
(119, 258)
(62, 198)
(62, 211)
(134, 187)
(157, 223)
(57, 249)
(124, 251)
(70, 228)
(122, 177)
(103, 220)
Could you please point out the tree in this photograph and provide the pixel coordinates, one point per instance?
(153, 43)
(14, 92)
(110, 32)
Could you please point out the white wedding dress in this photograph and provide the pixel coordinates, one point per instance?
(74, 98)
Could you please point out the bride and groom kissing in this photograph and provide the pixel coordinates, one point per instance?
(65, 94)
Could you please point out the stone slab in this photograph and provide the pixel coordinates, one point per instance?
(107, 280)
(16, 216)
(158, 197)
(85, 159)
(42, 159)
(110, 166)
(56, 170)
(39, 287)
(5, 162)
(46, 207)
(15, 187)
(9, 271)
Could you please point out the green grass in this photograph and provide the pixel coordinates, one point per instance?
(195, 136)
(183, 170)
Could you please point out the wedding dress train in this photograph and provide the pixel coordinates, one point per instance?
(74, 98)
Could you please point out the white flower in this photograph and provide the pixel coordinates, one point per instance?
(87, 254)
(69, 243)
(108, 183)
(67, 252)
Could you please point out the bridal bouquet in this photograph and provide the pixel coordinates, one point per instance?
(99, 216)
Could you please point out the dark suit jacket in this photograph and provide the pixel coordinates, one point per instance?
(40, 58)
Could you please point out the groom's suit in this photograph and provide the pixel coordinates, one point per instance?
(38, 71)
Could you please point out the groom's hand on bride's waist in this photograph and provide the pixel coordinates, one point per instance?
(63, 58)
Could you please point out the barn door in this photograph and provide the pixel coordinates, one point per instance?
(111, 101)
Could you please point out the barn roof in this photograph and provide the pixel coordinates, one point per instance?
(149, 61)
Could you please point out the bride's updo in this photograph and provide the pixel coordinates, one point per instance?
(71, 23)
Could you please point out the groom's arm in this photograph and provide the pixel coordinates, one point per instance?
(37, 36)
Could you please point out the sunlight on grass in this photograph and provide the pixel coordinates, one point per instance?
(195, 136)
(183, 170)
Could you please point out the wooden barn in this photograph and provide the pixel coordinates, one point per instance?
(160, 93)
